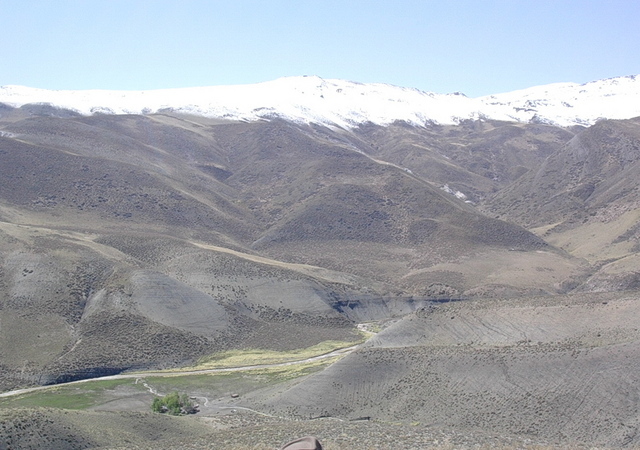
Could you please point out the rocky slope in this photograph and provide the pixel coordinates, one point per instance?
(138, 241)
(154, 238)
(563, 369)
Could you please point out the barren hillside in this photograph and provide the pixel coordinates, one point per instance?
(499, 258)
(563, 369)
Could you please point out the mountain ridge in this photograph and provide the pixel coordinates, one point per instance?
(347, 104)
(502, 255)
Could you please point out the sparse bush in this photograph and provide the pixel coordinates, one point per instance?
(157, 405)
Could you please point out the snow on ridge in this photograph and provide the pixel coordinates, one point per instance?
(567, 104)
(347, 104)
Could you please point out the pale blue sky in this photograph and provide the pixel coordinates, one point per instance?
(475, 47)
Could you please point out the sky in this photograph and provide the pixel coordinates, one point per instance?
(476, 47)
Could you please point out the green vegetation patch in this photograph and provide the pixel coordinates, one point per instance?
(174, 404)
(239, 382)
(88, 394)
(73, 396)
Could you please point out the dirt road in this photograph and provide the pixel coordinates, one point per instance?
(134, 375)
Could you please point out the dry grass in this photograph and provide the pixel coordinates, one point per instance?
(244, 358)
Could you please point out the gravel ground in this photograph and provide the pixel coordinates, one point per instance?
(246, 430)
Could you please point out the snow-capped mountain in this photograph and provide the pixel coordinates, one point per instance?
(347, 104)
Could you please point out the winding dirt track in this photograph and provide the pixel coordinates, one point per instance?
(134, 375)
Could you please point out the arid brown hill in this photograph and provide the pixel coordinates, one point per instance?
(585, 198)
(140, 241)
(563, 369)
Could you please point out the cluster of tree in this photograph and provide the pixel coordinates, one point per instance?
(174, 404)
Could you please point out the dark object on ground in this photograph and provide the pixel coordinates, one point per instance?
(305, 443)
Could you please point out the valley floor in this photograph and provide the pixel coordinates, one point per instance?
(513, 373)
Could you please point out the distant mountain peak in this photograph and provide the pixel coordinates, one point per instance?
(340, 103)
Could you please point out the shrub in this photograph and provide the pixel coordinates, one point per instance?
(174, 404)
